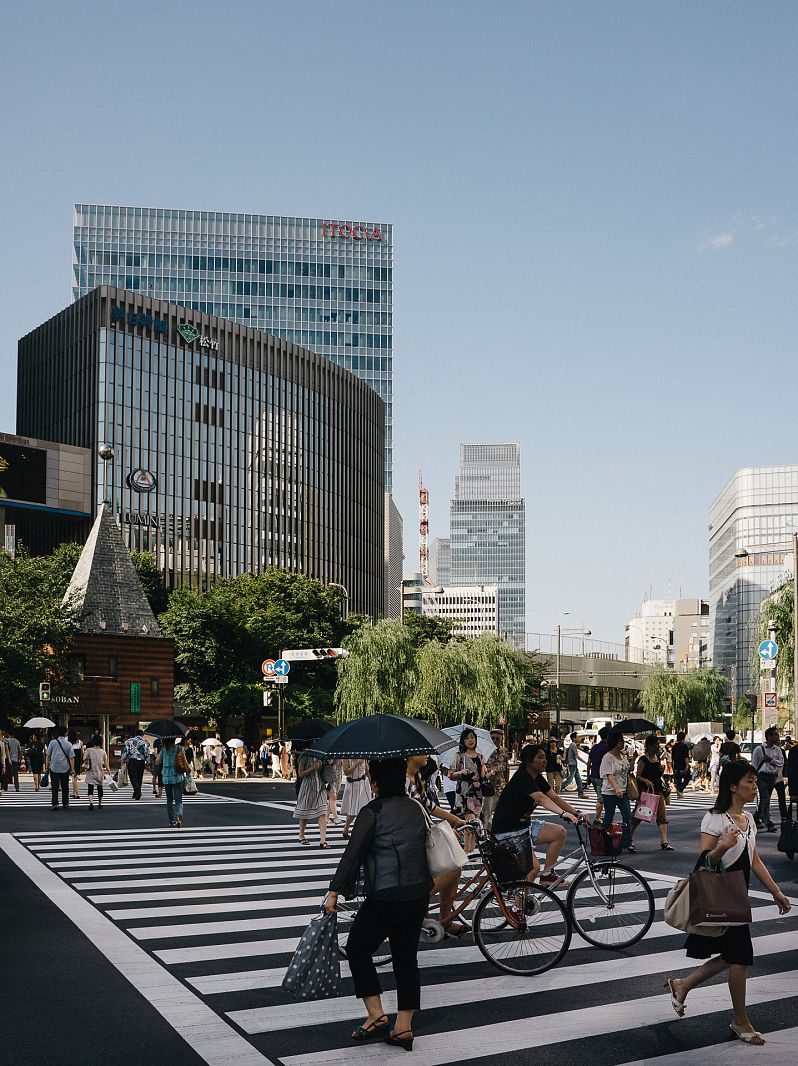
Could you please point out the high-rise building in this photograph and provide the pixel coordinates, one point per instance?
(751, 524)
(487, 530)
(394, 558)
(233, 450)
(649, 636)
(440, 561)
(472, 608)
(325, 285)
(691, 634)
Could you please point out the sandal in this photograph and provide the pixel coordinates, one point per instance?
(304, 842)
(750, 1036)
(324, 844)
(676, 1003)
(376, 1027)
(666, 846)
(455, 927)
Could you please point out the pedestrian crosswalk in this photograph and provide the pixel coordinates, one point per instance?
(29, 797)
(222, 909)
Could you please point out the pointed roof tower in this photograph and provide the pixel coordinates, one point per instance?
(105, 587)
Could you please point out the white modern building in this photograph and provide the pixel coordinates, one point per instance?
(649, 636)
(440, 561)
(473, 608)
(751, 524)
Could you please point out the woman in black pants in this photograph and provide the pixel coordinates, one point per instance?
(389, 841)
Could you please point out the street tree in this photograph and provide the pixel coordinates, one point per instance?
(379, 674)
(778, 608)
(684, 697)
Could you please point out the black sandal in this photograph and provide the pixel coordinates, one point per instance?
(324, 845)
(404, 1040)
(375, 1028)
(666, 846)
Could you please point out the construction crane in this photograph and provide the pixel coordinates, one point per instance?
(423, 528)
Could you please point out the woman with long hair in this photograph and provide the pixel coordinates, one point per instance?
(614, 772)
(96, 769)
(468, 772)
(173, 778)
(418, 785)
(311, 801)
(728, 833)
(357, 791)
(35, 757)
(649, 776)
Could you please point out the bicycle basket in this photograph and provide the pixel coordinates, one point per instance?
(509, 859)
(605, 843)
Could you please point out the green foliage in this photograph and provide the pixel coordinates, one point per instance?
(422, 628)
(223, 635)
(405, 669)
(778, 608)
(682, 698)
(741, 719)
(152, 581)
(35, 631)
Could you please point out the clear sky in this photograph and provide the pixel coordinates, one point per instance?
(596, 228)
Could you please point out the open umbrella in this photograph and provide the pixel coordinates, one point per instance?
(39, 723)
(485, 745)
(211, 742)
(235, 743)
(380, 737)
(310, 729)
(635, 725)
(164, 728)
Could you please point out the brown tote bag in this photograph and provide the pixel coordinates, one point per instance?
(719, 898)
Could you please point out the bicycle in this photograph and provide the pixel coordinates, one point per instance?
(609, 904)
(520, 927)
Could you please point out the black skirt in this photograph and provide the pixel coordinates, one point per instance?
(735, 946)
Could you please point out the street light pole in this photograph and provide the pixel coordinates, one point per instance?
(557, 706)
(794, 718)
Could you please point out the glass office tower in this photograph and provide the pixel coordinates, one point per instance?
(487, 530)
(751, 524)
(325, 285)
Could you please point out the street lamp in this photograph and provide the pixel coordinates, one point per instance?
(570, 632)
(743, 554)
(345, 605)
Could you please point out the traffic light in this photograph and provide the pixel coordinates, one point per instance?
(44, 692)
(329, 653)
(267, 699)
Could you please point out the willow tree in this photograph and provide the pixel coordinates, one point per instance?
(665, 694)
(380, 672)
(445, 682)
(499, 682)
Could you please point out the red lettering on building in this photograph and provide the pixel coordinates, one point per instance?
(358, 232)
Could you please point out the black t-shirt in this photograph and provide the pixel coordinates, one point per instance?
(730, 749)
(515, 803)
(679, 756)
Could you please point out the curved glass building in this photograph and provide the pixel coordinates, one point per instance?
(234, 450)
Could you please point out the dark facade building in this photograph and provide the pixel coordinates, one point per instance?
(233, 450)
(124, 661)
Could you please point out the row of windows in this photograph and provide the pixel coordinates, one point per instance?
(230, 264)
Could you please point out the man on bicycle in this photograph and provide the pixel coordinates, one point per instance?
(526, 790)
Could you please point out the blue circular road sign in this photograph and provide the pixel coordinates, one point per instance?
(768, 650)
(282, 667)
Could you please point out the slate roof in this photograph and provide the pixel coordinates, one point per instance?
(106, 588)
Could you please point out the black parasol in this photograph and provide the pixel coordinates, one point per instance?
(164, 728)
(380, 737)
(310, 729)
(635, 725)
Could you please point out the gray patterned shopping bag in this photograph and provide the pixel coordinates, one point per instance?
(314, 971)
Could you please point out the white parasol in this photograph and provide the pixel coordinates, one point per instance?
(485, 745)
(235, 743)
(39, 723)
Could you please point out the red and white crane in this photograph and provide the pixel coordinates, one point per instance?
(423, 528)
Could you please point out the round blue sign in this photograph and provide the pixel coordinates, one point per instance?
(768, 650)
(282, 667)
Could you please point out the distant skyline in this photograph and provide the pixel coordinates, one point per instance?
(595, 214)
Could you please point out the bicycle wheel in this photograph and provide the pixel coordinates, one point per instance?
(346, 910)
(534, 939)
(615, 912)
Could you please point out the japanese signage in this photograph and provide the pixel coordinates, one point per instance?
(357, 232)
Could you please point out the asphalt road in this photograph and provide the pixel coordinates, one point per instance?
(126, 940)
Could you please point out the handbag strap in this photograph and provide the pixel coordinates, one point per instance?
(425, 812)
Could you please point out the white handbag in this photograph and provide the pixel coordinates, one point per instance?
(444, 853)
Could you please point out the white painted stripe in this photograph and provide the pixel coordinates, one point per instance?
(111, 847)
(214, 952)
(209, 881)
(540, 1032)
(457, 993)
(216, 1041)
(282, 888)
(191, 909)
(117, 833)
(204, 854)
(189, 867)
(253, 925)
(780, 1051)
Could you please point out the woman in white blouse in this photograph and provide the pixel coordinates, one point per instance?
(728, 832)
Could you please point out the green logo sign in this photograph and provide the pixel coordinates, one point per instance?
(135, 697)
(188, 332)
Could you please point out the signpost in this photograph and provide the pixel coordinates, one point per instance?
(282, 668)
(768, 650)
(771, 702)
(267, 666)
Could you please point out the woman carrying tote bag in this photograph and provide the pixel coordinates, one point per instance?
(389, 841)
(728, 833)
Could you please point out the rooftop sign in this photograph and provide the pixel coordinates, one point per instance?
(358, 231)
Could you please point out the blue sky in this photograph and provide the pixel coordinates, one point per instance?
(596, 228)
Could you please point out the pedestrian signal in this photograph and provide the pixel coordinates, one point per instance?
(44, 692)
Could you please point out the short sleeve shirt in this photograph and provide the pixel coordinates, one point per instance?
(714, 823)
(516, 805)
(619, 768)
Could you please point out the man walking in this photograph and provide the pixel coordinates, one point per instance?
(135, 754)
(13, 751)
(497, 773)
(597, 753)
(768, 761)
(680, 757)
(60, 763)
(572, 768)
